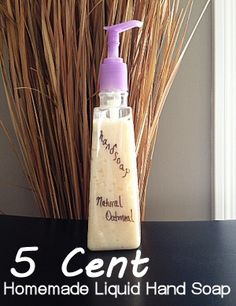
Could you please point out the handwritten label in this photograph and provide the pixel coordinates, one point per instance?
(114, 216)
(112, 150)
(107, 203)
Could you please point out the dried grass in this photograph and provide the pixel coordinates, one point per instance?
(50, 53)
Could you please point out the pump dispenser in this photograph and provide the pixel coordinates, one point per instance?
(114, 210)
(113, 71)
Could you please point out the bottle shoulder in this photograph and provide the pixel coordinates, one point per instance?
(112, 112)
(113, 99)
(105, 108)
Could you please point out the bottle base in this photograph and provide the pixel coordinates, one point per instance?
(96, 247)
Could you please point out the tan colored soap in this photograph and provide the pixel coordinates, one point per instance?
(114, 210)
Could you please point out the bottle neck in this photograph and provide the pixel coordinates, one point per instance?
(113, 98)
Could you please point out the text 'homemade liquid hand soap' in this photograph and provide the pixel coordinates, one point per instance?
(114, 209)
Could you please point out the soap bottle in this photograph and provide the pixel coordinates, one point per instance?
(114, 209)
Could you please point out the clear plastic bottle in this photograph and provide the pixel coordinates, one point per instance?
(114, 210)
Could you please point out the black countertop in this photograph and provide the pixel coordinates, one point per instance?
(180, 253)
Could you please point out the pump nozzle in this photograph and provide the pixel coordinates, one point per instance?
(113, 72)
(113, 35)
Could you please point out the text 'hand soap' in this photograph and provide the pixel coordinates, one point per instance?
(114, 210)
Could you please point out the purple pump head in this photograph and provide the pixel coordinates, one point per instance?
(113, 71)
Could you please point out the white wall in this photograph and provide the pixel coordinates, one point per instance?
(180, 183)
